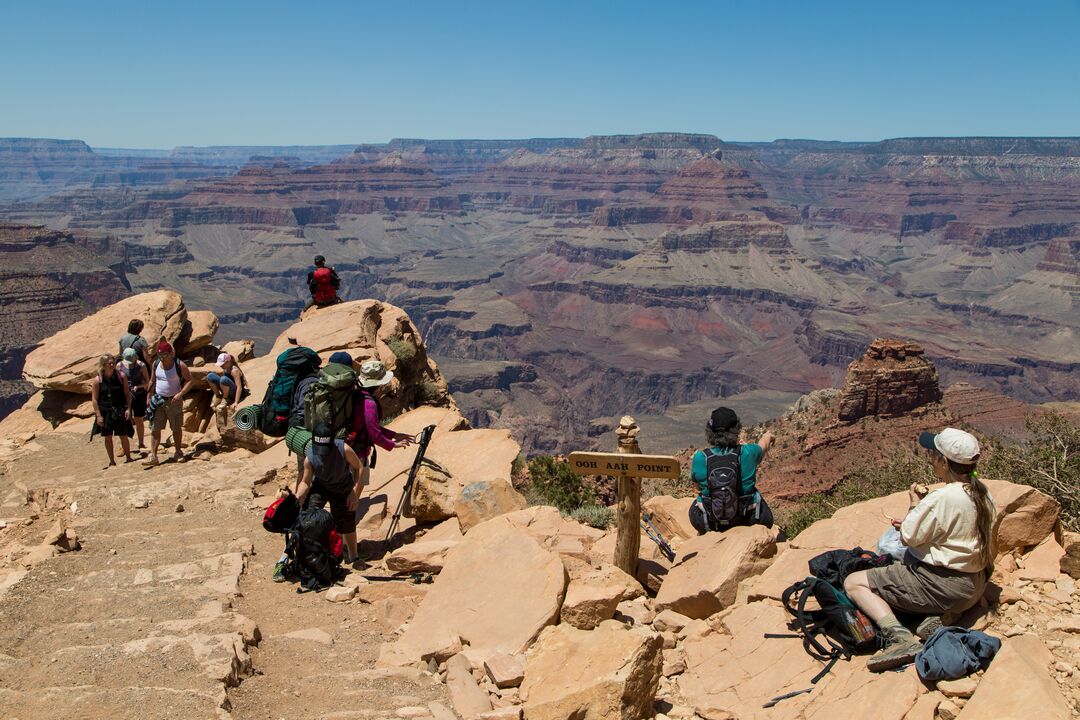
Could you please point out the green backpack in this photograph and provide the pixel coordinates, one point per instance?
(330, 399)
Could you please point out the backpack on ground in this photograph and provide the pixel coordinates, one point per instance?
(314, 551)
(723, 478)
(292, 366)
(330, 399)
(281, 514)
(837, 629)
(322, 286)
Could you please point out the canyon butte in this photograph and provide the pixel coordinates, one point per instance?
(563, 282)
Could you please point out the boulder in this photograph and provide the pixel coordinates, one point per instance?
(610, 673)
(432, 495)
(497, 590)
(506, 671)
(562, 535)
(197, 332)
(422, 556)
(1018, 684)
(860, 525)
(651, 567)
(68, 360)
(671, 516)
(788, 567)
(365, 329)
(1043, 563)
(594, 593)
(1026, 516)
(1070, 558)
(468, 699)
(634, 612)
(706, 576)
(241, 350)
(484, 499)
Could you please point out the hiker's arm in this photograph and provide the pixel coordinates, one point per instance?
(304, 486)
(765, 442)
(127, 396)
(239, 380)
(186, 375)
(376, 433)
(353, 501)
(94, 392)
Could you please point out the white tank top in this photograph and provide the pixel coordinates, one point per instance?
(167, 381)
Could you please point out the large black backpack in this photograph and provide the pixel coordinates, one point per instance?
(293, 365)
(837, 629)
(723, 478)
(314, 551)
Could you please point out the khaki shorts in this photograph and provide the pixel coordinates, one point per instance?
(915, 587)
(170, 412)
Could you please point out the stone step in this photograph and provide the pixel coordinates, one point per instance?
(135, 703)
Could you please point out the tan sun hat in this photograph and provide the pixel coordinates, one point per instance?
(373, 374)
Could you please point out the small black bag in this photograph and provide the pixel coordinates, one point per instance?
(723, 477)
(314, 551)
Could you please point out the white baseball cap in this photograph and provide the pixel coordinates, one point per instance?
(957, 445)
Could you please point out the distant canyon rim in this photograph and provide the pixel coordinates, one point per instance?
(560, 283)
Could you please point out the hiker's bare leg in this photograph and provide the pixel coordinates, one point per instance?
(109, 449)
(125, 444)
(857, 587)
(350, 544)
(140, 432)
(155, 440)
(178, 438)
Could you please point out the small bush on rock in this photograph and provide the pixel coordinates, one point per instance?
(557, 484)
(597, 516)
(404, 350)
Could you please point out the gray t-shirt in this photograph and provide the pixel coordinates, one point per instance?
(127, 340)
(332, 470)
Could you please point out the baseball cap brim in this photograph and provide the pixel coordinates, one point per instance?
(926, 440)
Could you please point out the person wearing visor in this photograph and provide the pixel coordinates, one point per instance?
(949, 534)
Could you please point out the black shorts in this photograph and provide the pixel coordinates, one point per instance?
(138, 404)
(344, 518)
(115, 424)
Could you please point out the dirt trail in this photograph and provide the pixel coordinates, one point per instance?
(172, 614)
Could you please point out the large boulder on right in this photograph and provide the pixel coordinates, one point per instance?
(610, 673)
(497, 590)
(1025, 516)
(1018, 685)
(706, 577)
(68, 360)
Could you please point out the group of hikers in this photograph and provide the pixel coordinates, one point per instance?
(947, 533)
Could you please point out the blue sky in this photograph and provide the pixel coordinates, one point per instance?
(159, 74)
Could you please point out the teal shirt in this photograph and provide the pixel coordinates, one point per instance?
(748, 463)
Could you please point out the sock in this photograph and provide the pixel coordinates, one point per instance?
(893, 629)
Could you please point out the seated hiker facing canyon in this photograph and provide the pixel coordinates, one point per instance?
(949, 535)
(323, 282)
(726, 472)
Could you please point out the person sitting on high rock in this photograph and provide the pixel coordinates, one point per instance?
(951, 530)
(726, 473)
(323, 282)
(228, 385)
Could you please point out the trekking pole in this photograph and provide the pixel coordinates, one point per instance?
(654, 535)
(421, 447)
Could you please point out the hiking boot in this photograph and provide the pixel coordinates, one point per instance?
(900, 649)
(928, 626)
(279, 572)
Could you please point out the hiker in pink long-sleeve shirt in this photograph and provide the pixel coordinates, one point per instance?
(367, 430)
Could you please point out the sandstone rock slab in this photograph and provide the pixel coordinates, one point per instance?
(197, 332)
(607, 673)
(468, 699)
(68, 360)
(706, 576)
(1070, 558)
(423, 556)
(506, 671)
(497, 590)
(594, 593)
(1025, 516)
(484, 499)
(671, 516)
(1043, 564)
(1018, 684)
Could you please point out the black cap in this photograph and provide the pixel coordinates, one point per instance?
(322, 439)
(926, 441)
(723, 419)
(319, 259)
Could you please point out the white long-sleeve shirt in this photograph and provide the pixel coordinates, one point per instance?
(944, 529)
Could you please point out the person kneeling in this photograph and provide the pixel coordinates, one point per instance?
(726, 473)
(951, 530)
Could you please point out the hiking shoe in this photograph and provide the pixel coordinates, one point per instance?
(928, 626)
(279, 572)
(897, 653)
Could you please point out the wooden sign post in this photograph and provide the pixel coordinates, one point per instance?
(629, 469)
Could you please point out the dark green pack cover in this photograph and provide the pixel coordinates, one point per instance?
(293, 365)
(330, 399)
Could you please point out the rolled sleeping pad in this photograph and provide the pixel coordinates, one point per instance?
(297, 440)
(247, 417)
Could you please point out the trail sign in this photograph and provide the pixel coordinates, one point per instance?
(620, 465)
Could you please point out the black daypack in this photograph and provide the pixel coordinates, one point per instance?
(314, 551)
(293, 365)
(723, 478)
(838, 629)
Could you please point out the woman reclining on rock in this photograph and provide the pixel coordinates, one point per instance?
(951, 529)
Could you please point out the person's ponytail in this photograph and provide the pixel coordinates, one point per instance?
(984, 520)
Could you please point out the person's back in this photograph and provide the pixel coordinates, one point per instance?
(323, 283)
(331, 471)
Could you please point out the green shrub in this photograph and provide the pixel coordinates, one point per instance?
(1050, 462)
(429, 391)
(865, 483)
(597, 516)
(517, 467)
(404, 350)
(557, 484)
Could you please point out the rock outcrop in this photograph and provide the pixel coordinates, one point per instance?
(892, 378)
